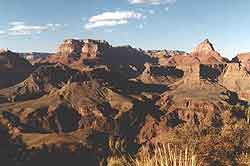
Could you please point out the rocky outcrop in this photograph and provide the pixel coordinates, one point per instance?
(42, 81)
(200, 105)
(206, 53)
(76, 51)
(154, 74)
(236, 78)
(164, 56)
(88, 55)
(13, 68)
(86, 105)
(205, 46)
(185, 59)
(191, 74)
(243, 59)
(35, 57)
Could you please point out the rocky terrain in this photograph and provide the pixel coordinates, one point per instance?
(34, 57)
(89, 88)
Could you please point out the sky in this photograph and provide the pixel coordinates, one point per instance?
(41, 25)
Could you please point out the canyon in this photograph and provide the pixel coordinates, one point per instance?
(140, 95)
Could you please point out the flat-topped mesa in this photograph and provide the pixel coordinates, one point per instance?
(206, 53)
(87, 48)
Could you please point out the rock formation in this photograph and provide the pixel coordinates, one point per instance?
(42, 81)
(13, 68)
(191, 74)
(35, 57)
(243, 59)
(76, 51)
(120, 91)
(236, 78)
(206, 53)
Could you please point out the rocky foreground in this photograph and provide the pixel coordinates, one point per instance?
(89, 88)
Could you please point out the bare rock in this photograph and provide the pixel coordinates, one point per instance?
(236, 78)
(206, 53)
(243, 59)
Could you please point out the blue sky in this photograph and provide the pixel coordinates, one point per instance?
(41, 25)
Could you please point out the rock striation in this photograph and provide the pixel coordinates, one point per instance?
(121, 91)
(73, 51)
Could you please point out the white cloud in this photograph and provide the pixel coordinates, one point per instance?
(109, 19)
(152, 2)
(20, 28)
(117, 15)
(105, 24)
(2, 32)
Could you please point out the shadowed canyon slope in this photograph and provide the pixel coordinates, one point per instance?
(13, 68)
(120, 91)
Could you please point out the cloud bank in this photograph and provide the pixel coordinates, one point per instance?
(152, 2)
(20, 28)
(108, 19)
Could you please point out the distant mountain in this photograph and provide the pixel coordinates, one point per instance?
(34, 57)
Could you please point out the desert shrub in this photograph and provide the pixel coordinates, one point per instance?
(118, 145)
(116, 161)
(243, 159)
(160, 155)
(216, 146)
(247, 114)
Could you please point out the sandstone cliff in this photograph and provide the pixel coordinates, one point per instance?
(74, 52)
(236, 78)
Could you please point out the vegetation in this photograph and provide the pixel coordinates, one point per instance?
(161, 155)
(247, 114)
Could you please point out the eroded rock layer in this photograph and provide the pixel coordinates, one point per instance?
(120, 91)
